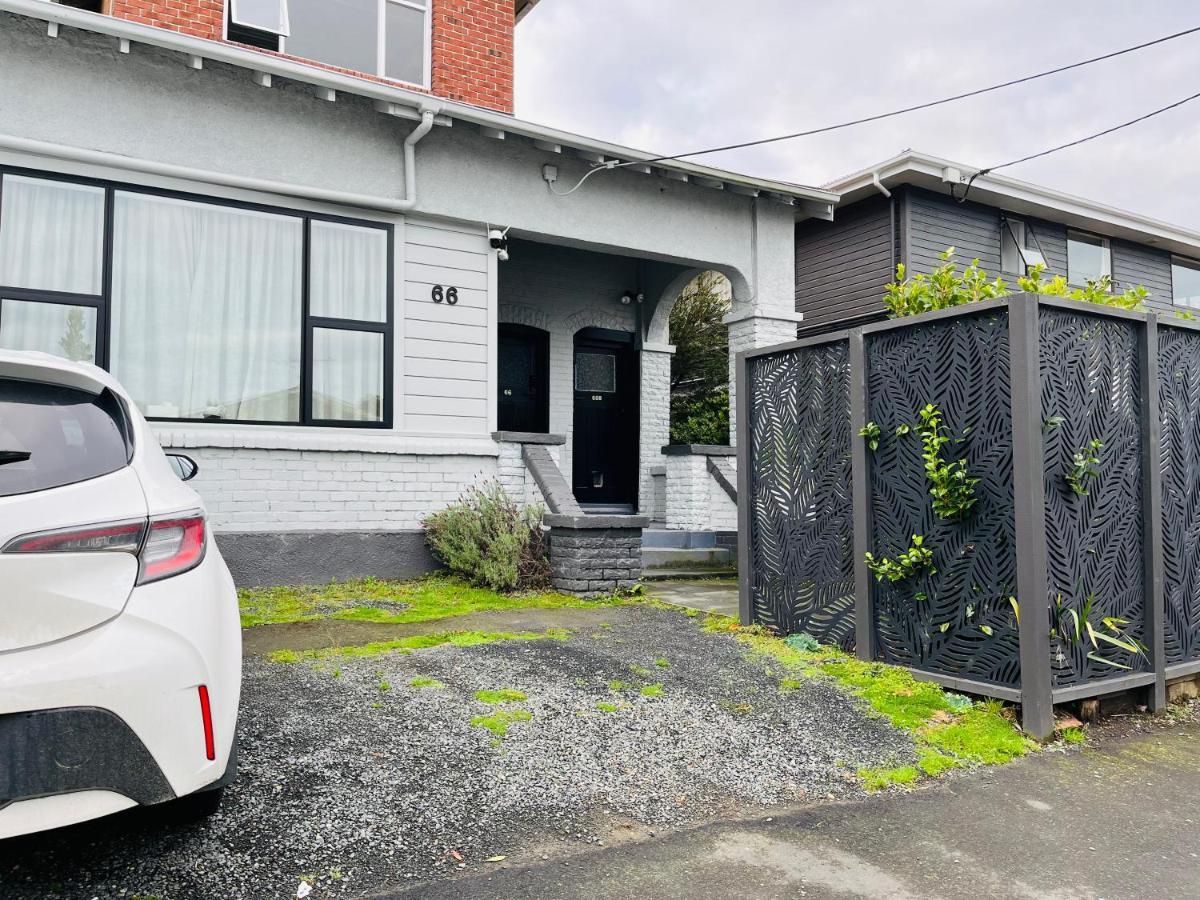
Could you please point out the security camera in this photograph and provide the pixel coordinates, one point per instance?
(497, 239)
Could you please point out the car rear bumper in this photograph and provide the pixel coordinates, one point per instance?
(113, 716)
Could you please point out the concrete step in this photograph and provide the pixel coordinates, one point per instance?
(676, 539)
(685, 574)
(673, 558)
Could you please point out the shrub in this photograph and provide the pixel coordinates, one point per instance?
(489, 540)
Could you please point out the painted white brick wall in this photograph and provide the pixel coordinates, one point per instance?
(516, 478)
(300, 490)
(722, 512)
(695, 501)
(655, 422)
(749, 334)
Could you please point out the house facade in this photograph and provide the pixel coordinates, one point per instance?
(910, 209)
(331, 265)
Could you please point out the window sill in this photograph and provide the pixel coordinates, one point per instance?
(261, 437)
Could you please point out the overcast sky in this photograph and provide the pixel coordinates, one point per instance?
(674, 75)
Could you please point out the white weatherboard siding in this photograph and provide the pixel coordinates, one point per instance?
(445, 351)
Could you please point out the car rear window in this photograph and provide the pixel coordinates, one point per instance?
(52, 435)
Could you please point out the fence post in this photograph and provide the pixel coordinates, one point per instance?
(745, 558)
(1029, 501)
(1152, 530)
(860, 490)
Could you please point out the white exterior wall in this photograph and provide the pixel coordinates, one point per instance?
(516, 478)
(695, 501)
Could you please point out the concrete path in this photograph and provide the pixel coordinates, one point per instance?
(1121, 822)
(713, 595)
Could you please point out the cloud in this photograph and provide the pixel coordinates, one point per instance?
(676, 75)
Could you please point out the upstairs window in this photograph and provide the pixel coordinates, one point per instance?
(379, 37)
(1016, 256)
(1089, 258)
(262, 15)
(1185, 282)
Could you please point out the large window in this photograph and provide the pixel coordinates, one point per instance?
(203, 310)
(380, 37)
(1089, 258)
(1185, 282)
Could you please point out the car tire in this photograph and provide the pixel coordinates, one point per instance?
(195, 807)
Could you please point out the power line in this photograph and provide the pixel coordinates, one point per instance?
(1074, 143)
(908, 109)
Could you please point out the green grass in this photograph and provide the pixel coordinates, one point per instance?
(503, 695)
(606, 707)
(652, 690)
(949, 731)
(498, 722)
(422, 682)
(420, 642)
(1074, 735)
(424, 599)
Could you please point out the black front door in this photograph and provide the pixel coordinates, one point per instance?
(524, 379)
(605, 443)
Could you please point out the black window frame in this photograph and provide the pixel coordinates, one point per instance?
(102, 302)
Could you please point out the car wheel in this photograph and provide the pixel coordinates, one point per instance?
(195, 807)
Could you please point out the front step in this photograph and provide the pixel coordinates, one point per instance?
(677, 539)
(676, 562)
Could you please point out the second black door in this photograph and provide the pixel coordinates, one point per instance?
(605, 442)
(524, 379)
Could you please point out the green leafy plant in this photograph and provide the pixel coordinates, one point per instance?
(1085, 465)
(700, 364)
(946, 287)
(951, 486)
(916, 560)
(1074, 627)
(489, 540)
(871, 433)
(802, 641)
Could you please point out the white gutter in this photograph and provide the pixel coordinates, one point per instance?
(398, 100)
(283, 188)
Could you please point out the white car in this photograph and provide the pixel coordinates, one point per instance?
(120, 646)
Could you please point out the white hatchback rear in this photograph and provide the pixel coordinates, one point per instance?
(120, 647)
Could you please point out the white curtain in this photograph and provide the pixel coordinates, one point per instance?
(348, 272)
(206, 309)
(51, 235)
(67, 331)
(347, 375)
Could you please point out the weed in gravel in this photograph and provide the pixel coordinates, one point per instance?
(498, 722)
(663, 663)
(949, 730)
(1074, 735)
(503, 695)
(878, 779)
(737, 708)
(385, 685)
(652, 690)
(790, 684)
(606, 707)
(395, 602)
(421, 642)
(422, 681)
(618, 685)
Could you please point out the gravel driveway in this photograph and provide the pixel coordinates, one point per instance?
(357, 781)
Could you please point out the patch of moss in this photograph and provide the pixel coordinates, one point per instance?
(606, 707)
(503, 695)
(422, 682)
(618, 685)
(1073, 735)
(663, 663)
(652, 690)
(394, 602)
(498, 722)
(790, 684)
(879, 779)
(385, 685)
(420, 642)
(949, 730)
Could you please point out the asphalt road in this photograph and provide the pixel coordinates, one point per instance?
(1118, 822)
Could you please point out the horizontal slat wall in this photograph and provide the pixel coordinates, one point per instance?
(842, 266)
(444, 347)
(1135, 264)
(936, 223)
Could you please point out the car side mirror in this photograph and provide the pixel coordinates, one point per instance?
(185, 467)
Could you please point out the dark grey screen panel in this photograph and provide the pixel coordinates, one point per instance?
(1090, 390)
(960, 621)
(801, 538)
(1179, 408)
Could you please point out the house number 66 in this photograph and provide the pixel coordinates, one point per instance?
(450, 295)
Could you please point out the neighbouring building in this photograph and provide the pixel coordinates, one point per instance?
(908, 210)
(326, 259)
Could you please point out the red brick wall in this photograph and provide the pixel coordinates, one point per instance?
(473, 52)
(201, 18)
(472, 59)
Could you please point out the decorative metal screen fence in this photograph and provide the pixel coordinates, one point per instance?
(1071, 570)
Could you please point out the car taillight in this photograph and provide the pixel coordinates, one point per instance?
(121, 536)
(172, 545)
(164, 547)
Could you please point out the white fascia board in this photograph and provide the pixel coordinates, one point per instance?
(268, 64)
(1021, 197)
